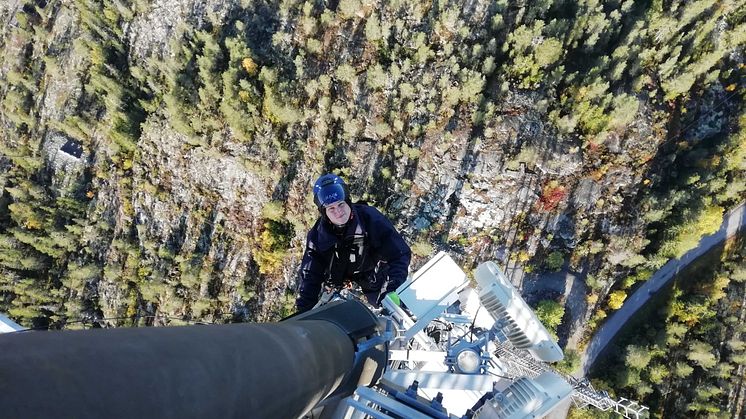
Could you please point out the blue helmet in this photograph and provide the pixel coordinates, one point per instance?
(329, 189)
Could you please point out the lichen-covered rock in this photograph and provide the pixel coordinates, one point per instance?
(165, 19)
(179, 185)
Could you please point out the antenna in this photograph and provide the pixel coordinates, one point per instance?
(7, 325)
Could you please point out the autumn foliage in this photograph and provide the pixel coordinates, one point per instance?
(552, 194)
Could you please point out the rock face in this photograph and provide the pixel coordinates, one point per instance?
(165, 19)
(187, 179)
(204, 124)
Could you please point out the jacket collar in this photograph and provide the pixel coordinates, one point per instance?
(327, 238)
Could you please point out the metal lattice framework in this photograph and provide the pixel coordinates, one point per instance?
(519, 363)
(427, 344)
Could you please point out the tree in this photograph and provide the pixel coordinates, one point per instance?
(682, 370)
(345, 73)
(376, 77)
(555, 261)
(701, 354)
(637, 357)
(657, 373)
(589, 413)
(624, 111)
(550, 313)
(688, 235)
(570, 363)
(373, 30)
(548, 52)
(349, 8)
(616, 299)
(674, 332)
(628, 377)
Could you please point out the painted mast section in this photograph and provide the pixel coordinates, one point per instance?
(229, 371)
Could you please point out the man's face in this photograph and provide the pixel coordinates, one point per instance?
(338, 212)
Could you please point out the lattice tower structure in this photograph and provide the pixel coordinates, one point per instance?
(519, 363)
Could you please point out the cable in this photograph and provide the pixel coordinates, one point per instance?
(471, 328)
(683, 130)
(500, 376)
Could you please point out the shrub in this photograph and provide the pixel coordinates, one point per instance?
(552, 194)
(273, 211)
(422, 248)
(616, 299)
(555, 261)
(273, 243)
(570, 363)
(550, 314)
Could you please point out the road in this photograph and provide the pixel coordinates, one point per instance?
(733, 221)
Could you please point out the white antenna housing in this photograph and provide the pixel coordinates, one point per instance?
(430, 290)
(522, 327)
(7, 325)
(527, 398)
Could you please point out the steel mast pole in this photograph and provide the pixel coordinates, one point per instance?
(279, 370)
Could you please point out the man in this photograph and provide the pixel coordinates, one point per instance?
(350, 243)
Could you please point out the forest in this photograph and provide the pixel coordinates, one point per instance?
(685, 354)
(600, 137)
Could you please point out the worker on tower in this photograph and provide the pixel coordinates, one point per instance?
(350, 243)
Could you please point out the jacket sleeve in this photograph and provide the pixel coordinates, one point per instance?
(311, 276)
(393, 249)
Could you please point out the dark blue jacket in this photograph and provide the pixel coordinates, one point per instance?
(369, 251)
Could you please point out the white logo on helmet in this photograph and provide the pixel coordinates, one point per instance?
(332, 197)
